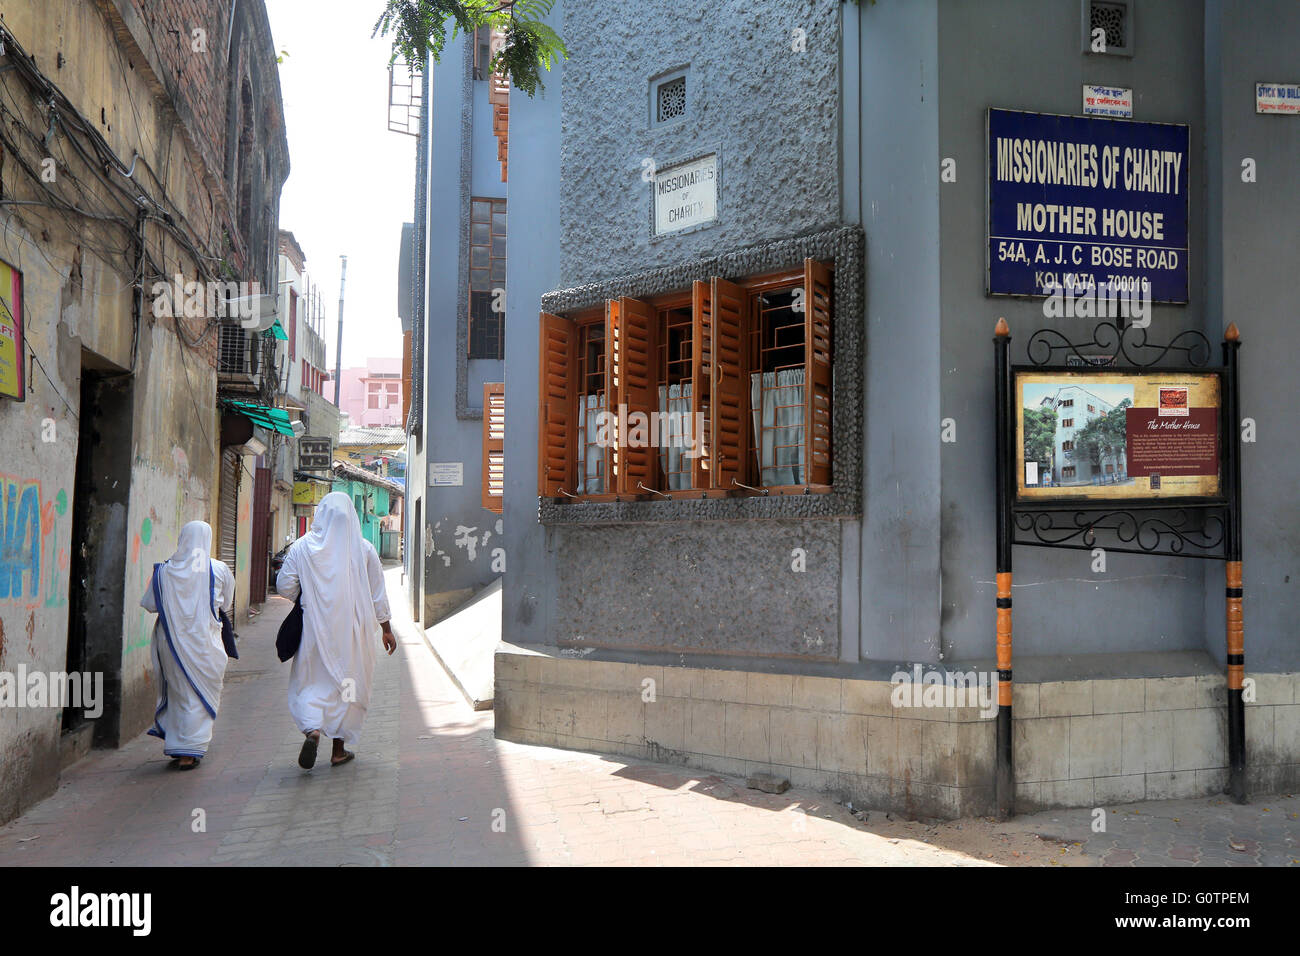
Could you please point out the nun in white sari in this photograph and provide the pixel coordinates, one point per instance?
(345, 608)
(189, 660)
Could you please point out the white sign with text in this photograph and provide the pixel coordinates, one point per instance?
(686, 195)
(446, 473)
(1107, 101)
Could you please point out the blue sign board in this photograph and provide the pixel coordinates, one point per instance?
(1080, 204)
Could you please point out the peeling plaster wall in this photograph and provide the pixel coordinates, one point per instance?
(77, 304)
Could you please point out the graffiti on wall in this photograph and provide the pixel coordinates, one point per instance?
(56, 590)
(20, 539)
(29, 533)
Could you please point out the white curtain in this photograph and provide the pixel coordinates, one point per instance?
(776, 400)
(675, 427)
(592, 480)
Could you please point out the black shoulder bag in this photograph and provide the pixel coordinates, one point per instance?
(290, 635)
(228, 634)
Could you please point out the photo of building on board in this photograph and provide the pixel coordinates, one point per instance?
(1075, 435)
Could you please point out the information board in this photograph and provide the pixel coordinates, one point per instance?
(1108, 434)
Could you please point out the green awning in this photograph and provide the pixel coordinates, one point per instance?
(276, 419)
(276, 331)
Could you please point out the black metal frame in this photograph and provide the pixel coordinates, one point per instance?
(1207, 528)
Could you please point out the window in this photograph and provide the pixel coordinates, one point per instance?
(494, 445)
(1067, 471)
(1067, 446)
(1067, 422)
(487, 278)
(717, 390)
(1067, 403)
(1092, 408)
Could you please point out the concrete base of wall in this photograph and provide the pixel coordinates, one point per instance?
(437, 606)
(1077, 743)
(465, 642)
(30, 772)
(74, 745)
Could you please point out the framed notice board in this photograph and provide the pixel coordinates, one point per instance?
(1117, 434)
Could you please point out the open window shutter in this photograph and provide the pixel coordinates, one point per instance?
(494, 445)
(556, 425)
(817, 372)
(613, 395)
(730, 390)
(701, 379)
(638, 388)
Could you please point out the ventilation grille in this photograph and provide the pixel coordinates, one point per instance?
(671, 100)
(1112, 18)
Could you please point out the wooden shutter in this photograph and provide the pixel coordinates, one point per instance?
(613, 393)
(701, 379)
(638, 389)
(817, 373)
(556, 424)
(729, 400)
(494, 445)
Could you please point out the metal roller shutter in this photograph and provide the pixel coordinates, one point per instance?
(229, 506)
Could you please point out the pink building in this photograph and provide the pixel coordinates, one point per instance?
(373, 395)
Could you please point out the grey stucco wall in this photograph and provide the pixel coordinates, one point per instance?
(771, 112)
(899, 586)
(635, 586)
(1250, 281)
(534, 268)
(679, 586)
(1061, 607)
(926, 548)
(458, 169)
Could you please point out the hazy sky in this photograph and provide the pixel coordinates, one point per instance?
(351, 181)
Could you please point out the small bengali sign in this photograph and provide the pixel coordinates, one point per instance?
(1112, 101)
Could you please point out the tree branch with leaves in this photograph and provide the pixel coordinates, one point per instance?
(420, 30)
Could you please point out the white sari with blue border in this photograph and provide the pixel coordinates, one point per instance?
(189, 660)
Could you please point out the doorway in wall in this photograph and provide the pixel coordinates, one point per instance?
(97, 579)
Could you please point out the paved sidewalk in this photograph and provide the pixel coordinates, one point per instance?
(432, 786)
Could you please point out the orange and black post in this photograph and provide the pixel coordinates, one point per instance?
(1004, 787)
(1236, 651)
